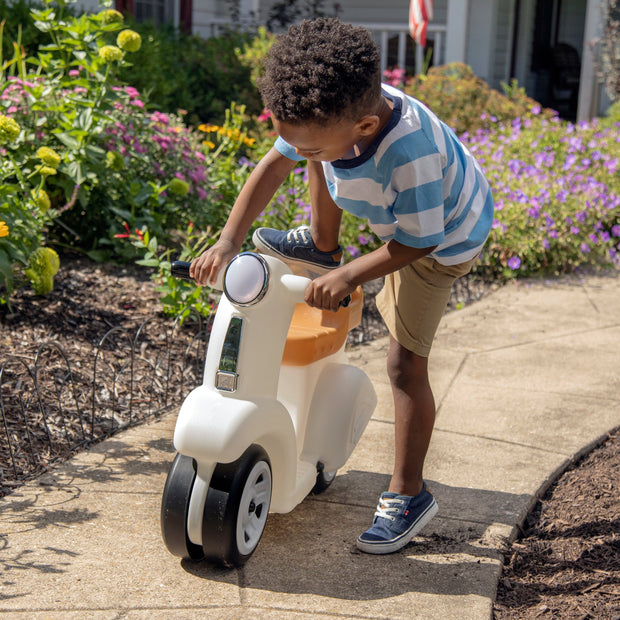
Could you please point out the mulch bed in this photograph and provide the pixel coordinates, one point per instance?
(565, 565)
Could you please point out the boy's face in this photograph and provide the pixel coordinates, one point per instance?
(321, 142)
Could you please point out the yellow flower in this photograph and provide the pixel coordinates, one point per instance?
(43, 200)
(4, 229)
(178, 187)
(49, 157)
(208, 128)
(129, 40)
(209, 144)
(9, 129)
(47, 171)
(43, 266)
(110, 53)
(114, 160)
(111, 16)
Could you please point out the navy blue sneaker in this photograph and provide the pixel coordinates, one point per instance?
(397, 520)
(296, 248)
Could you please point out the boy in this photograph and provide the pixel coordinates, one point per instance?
(383, 156)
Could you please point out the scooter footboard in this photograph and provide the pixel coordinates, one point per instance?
(338, 416)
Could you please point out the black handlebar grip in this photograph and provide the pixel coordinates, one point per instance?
(345, 302)
(180, 269)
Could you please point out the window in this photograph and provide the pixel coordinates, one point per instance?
(159, 12)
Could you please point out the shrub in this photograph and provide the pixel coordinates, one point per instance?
(117, 161)
(466, 102)
(557, 195)
(203, 77)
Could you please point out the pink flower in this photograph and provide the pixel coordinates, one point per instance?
(264, 116)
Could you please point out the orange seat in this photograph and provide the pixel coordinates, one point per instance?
(315, 334)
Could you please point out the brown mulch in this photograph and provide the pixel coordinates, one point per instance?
(565, 565)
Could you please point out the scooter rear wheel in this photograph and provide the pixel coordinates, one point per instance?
(236, 508)
(175, 506)
(323, 479)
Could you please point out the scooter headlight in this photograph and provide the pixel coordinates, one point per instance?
(246, 279)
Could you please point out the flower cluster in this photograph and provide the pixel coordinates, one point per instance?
(233, 134)
(556, 187)
(155, 146)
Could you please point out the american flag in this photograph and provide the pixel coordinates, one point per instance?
(420, 12)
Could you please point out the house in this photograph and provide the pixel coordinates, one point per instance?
(546, 45)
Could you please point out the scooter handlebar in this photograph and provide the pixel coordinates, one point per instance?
(298, 285)
(295, 284)
(180, 269)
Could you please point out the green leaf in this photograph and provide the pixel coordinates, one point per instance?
(68, 140)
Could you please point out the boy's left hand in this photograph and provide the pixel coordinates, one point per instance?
(327, 291)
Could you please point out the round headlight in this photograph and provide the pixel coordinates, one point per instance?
(246, 279)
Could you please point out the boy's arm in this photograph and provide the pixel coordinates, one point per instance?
(255, 195)
(328, 290)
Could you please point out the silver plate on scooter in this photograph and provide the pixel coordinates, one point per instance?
(226, 381)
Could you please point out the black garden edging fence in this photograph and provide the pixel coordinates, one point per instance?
(51, 406)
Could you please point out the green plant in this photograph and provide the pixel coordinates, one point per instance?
(203, 77)
(556, 188)
(177, 296)
(465, 102)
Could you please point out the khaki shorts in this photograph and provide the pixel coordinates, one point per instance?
(414, 299)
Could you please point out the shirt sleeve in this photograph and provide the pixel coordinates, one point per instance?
(284, 148)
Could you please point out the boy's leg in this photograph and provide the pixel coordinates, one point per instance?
(414, 413)
(313, 250)
(325, 215)
(412, 303)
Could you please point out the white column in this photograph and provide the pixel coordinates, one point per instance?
(589, 86)
(456, 35)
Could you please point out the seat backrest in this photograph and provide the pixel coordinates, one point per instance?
(315, 334)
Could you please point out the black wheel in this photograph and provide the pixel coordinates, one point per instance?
(236, 508)
(174, 508)
(323, 479)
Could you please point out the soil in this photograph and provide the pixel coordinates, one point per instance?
(566, 563)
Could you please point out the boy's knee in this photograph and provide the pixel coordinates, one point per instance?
(404, 366)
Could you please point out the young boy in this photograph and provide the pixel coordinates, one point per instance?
(385, 157)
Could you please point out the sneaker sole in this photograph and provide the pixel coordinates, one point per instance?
(390, 546)
(309, 266)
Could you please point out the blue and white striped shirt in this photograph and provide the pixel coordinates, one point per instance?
(416, 183)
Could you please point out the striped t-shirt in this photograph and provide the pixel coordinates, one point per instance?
(416, 183)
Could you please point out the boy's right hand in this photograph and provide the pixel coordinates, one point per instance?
(208, 265)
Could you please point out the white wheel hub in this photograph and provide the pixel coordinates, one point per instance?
(253, 508)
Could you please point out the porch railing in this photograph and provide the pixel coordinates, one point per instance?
(382, 33)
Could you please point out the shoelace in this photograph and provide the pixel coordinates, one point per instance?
(296, 233)
(388, 507)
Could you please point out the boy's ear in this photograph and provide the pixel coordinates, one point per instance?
(368, 124)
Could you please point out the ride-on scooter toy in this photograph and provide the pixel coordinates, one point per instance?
(279, 411)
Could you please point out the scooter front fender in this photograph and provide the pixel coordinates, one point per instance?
(215, 428)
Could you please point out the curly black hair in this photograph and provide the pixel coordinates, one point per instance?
(321, 70)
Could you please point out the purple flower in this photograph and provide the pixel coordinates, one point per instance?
(353, 251)
(514, 262)
(615, 230)
(584, 247)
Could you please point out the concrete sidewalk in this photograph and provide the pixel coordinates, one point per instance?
(525, 380)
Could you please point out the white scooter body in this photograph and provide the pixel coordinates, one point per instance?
(303, 416)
